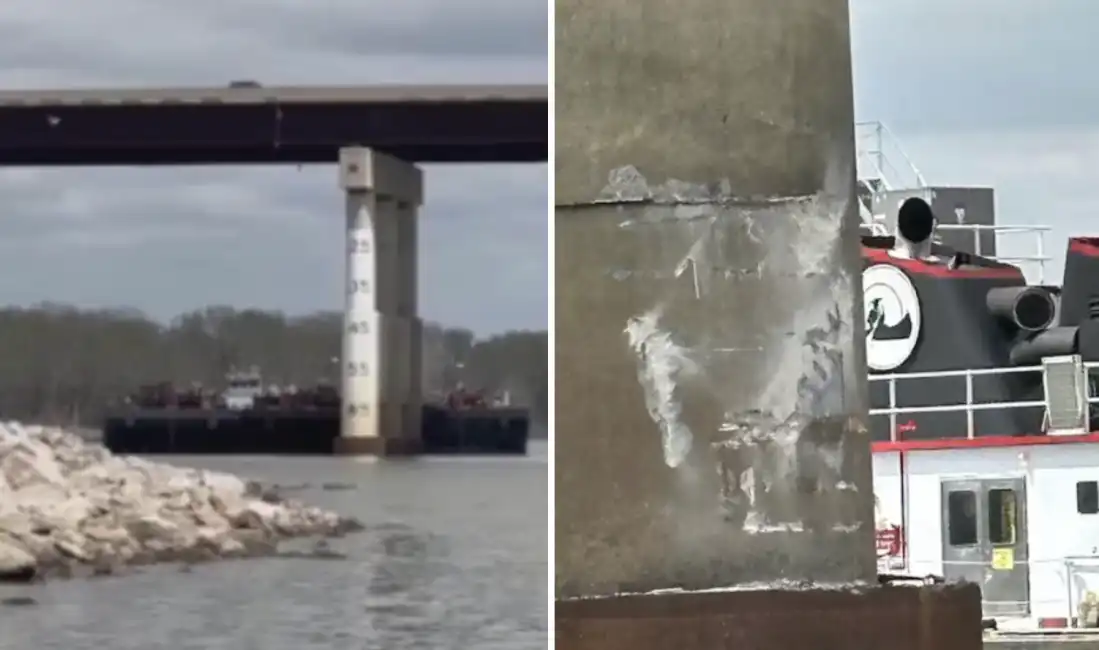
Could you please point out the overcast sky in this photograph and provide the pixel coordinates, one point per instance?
(979, 92)
(984, 92)
(170, 240)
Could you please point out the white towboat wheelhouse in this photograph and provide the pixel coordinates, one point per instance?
(986, 450)
(1018, 516)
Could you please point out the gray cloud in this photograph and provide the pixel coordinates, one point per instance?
(979, 64)
(166, 240)
(276, 41)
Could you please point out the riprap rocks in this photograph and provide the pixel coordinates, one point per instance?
(68, 507)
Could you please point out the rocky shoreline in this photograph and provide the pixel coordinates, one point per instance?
(70, 508)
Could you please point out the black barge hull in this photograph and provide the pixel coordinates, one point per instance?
(487, 431)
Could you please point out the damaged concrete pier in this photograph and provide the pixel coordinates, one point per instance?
(710, 396)
(707, 251)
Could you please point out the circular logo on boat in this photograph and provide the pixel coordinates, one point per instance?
(892, 310)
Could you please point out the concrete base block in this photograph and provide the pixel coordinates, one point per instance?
(377, 446)
(391, 422)
(939, 617)
(412, 419)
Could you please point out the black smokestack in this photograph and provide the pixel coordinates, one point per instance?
(915, 227)
(1081, 283)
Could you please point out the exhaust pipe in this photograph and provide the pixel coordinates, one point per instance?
(1053, 342)
(1032, 312)
(915, 230)
(1029, 309)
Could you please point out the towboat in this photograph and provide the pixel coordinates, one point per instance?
(982, 390)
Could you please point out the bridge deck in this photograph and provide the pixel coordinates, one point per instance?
(174, 126)
(452, 94)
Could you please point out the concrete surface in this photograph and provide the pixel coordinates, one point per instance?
(707, 265)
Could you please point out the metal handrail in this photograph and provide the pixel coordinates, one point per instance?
(876, 156)
(1039, 257)
(1070, 563)
(969, 406)
(868, 221)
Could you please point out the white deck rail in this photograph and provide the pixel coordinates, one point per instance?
(1032, 264)
(881, 158)
(969, 407)
(875, 150)
(1034, 261)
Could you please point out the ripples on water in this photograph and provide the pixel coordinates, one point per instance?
(455, 556)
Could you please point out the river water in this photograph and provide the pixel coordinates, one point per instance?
(454, 556)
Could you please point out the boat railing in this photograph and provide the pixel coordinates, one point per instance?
(1033, 261)
(969, 406)
(881, 159)
(882, 165)
(1066, 571)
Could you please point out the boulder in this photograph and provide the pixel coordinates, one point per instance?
(68, 507)
(16, 563)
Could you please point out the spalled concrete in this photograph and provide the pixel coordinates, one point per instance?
(710, 396)
(70, 508)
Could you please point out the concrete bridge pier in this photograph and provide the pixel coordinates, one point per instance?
(713, 471)
(380, 379)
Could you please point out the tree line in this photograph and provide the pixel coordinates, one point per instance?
(64, 365)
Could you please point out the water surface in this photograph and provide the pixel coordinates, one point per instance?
(455, 556)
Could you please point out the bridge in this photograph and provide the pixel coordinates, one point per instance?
(255, 124)
(376, 136)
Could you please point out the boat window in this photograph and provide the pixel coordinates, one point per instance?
(961, 508)
(1002, 516)
(1087, 497)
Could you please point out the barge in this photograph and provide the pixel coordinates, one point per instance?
(251, 418)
